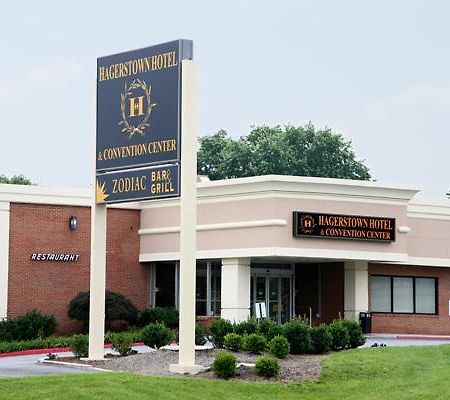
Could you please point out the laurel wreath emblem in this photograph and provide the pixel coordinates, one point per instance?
(129, 128)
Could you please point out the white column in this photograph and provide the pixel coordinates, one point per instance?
(97, 285)
(188, 220)
(4, 258)
(235, 289)
(356, 289)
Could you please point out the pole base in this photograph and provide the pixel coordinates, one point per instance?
(190, 369)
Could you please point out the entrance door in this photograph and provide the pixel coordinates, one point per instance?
(275, 292)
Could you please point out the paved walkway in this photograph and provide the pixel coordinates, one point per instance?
(393, 340)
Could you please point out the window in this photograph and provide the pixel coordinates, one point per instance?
(406, 295)
(208, 281)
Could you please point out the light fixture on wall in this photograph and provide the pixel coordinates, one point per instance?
(73, 222)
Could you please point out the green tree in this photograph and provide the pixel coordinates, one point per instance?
(302, 151)
(16, 180)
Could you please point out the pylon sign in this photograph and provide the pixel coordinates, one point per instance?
(138, 123)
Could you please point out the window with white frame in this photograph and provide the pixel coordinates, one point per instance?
(403, 295)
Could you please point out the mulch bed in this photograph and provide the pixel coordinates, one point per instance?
(294, 368)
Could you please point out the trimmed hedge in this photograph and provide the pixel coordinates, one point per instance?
(224, 365)
(321, 339)
(219, 328)
(200, 339)
(233, 341)
(279, 347)
(31, 325)
(298, 335)
(269, 328)
(40, 343)
(156, 335)
(339, 334)
(355, 333)
(246, 327)
(117, 308)
(163, 315)
(122, 343)
(79, 345)
(267, 366)
(255, 343)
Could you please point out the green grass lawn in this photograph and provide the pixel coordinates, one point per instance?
(373, 373)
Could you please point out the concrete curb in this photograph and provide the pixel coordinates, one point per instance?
(51, 350)
(72, 365)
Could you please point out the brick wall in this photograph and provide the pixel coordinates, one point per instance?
(417, 324)
(49, 286)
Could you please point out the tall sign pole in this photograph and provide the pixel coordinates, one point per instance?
(188, 220)
(146, 134)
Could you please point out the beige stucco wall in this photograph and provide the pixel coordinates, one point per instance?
(252, 217)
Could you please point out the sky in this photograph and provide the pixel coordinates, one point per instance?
(376, 72)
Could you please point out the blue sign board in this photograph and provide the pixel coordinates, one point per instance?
(155, 182)
(139, 110)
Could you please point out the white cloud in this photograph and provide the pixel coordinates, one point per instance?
(414, 98)
(39, 76)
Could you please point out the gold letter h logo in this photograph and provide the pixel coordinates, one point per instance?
(136, 106)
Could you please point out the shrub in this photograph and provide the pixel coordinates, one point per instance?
(255, 343)
(339, 334)
(122, 343)
(199, 335)
(167, 316)
(246, 327)
(219, 328)
(233, 341)
(29, 326)
(156, 335)
(117, 308)
(267, 366)
(269, 328)
(79, 345)
(355, 333)
(321, 339)
(224, 365)
(279, 347)
(40, 343)
(298, 335)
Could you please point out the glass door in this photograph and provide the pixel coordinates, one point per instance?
(275, 292)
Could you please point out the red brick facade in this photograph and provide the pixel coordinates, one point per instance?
(409, 323)
(49, 286)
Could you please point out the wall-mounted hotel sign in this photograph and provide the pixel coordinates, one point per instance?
(335, 226)
(139, 115)
(54, 257)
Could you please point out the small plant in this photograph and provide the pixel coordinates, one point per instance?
(233, 342)
(156, 335)
(246, 327)
(339, 334)
(267, 366)
(79, 345)
(279, 347)
(321, 339)
(255, 343)
(122, 343)
(355, 333)
(269, 328)
(298, 335)
(224, 365)
(200, 339)
(164, 315)
(219, 328)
